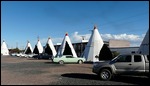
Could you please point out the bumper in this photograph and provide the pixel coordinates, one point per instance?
(95, 70)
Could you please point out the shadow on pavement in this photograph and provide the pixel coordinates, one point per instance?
(50, 62)
(140, 80)
(81, 76)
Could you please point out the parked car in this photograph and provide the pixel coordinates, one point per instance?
(13, 54)
(20, 55)
(30, 55)
(68, 59)
(125, 64)
(43, 56)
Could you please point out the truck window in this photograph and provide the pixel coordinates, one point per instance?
(137, 58)
(148, 57)
(124, 58)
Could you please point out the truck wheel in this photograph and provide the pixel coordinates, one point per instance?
(61, 62)
(80, 61)
(105, 74)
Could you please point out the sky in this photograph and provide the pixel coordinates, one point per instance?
(28, 20)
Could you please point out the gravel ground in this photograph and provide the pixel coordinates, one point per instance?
(23, 71)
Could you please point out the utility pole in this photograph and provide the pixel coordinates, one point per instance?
(16, 44)
(81, 45)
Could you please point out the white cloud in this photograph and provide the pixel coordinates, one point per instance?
(75, 37)
(43, 41)
(57, 40)
(54, 40)
(129, 37)
(135, 40)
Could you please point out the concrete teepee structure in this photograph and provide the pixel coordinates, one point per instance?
(93, 46)
(38, 48)
(28, 49)
(4, 49)
(49, 48)
(66, 47)
(144, 47)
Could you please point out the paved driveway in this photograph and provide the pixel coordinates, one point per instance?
(23, 71)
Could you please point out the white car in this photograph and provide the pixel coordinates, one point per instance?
(14, 54)
(30, 55)
(20, 55)
(68, 59)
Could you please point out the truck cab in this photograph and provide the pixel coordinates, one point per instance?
(123, 64)
(130, 64)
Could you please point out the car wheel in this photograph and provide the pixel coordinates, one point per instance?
(105, 74)
(61, 62)
(80, 61)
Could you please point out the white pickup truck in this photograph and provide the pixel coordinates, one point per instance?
(124, 64)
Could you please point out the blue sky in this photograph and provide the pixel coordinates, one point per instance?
(26, 20)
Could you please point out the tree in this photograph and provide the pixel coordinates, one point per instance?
(15, 50)
(115, 53)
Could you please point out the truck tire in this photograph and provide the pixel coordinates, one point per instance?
(105, 74)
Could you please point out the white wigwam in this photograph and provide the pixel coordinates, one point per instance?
(66, 47)
(39, 47)
(51, 46)
(28, 48)
(4, 49)
(93, 46)
(144, 47)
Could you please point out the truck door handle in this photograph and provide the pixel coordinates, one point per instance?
(130, 64)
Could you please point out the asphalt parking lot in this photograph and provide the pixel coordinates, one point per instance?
(23, 71)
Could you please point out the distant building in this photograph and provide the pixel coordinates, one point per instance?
(120, 46)
(118, 43)
(79, 47)
(123, 50)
